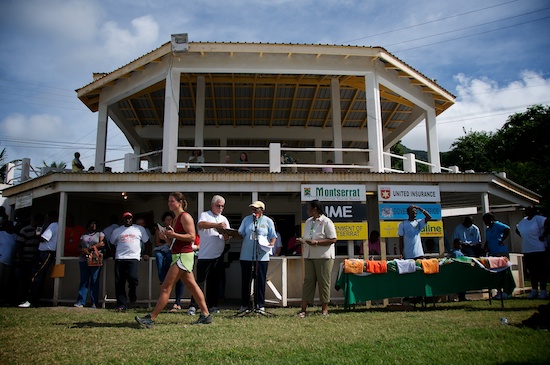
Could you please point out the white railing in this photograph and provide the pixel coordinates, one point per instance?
(18, 171)
(273, 161)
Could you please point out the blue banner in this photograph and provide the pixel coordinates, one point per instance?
(398, 212)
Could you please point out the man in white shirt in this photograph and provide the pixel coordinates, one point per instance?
(410, 244)
(211, 225)
(129, 240)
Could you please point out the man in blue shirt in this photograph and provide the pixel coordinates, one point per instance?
(495, 234)
(468, 233)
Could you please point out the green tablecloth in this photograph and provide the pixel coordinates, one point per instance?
(452, 278)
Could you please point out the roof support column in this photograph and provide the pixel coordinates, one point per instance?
(171, 122)
(199, 112)
(101, 140)
(336, 118)
(60, 244)
(374, 122)
(485, 207)
(433, 143)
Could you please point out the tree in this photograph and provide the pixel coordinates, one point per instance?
(59, 165)
(470, 152)
(524, 137)
(522, 149)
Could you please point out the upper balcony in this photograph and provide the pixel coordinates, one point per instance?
(325, 102)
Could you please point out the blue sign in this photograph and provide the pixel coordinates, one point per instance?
(398, 212)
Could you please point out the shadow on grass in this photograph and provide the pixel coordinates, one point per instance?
(471, 305)
(92, 324)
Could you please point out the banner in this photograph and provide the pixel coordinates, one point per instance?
(341, 212)
(408, 193)
(23, 200)
(391, 212)
(331, 192)
(433, 229)
(350, 231)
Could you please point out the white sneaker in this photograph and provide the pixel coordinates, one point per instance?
(192, 311)
(542, 294)
(26, 304)
(533, 295)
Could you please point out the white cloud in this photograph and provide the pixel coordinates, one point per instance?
(483, 105)
(18, 131)
(60, 19)
(38, 126)
(122, 43)
(116, 45)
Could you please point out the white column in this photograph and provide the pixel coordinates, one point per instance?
(200, 203)
(274, 158)
(374, 122)
(101, 138)
(131, 162)
(433, 143)
(171, 122)
(387, 159)
(60, 244)
(485, 207)
(409, 164)
(336, 118)
(199, 112)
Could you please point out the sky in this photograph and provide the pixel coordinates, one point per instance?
(493, 55)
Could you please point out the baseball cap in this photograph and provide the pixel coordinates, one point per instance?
(258, 204)
(127, 214)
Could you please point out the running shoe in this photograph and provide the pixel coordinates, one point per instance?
(145, 321)
(203, 319)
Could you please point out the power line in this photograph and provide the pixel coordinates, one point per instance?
(470, 35)
(476, 26)
(431, 21)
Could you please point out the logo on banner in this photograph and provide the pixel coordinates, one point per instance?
(307, 191)
(385, 193)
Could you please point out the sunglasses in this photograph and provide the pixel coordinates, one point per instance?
(220, 206)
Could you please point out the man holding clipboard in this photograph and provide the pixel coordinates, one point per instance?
(212, 228)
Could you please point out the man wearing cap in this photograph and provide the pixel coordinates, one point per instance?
(129, 240)
(258, 234)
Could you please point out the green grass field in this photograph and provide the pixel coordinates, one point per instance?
(451, 333)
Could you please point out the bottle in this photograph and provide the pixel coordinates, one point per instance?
(503, 321)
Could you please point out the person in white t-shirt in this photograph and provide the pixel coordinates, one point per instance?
(319, 254)
(129, 240)
(533, 230)
(210, 265)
